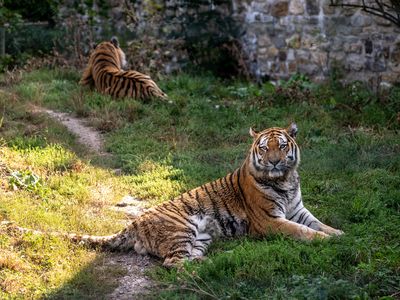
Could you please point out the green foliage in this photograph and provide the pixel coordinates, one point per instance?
(5, 61)
(25, 41)
(25, 180)
(8, 16)
(33, 10)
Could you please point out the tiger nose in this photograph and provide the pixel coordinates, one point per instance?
(274, 162)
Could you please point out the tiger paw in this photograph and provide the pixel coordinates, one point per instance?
(322, 235)
(198, 258)
(173, 262)
(336, 232)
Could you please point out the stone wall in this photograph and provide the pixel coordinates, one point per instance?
(279, 37)
(310, 37)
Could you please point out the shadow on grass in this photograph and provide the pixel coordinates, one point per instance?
(116, 275)
(95, 281)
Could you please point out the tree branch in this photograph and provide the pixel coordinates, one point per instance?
(382, 9)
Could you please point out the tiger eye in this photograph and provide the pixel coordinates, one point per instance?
(263, 148)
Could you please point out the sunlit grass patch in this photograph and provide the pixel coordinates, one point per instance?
(156, 182)
(69, 195)
(52, 158)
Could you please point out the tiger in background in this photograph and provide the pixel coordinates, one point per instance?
(261, 197)
(105, 72)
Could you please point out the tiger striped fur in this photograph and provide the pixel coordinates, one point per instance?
(261, 197)
(104, 71)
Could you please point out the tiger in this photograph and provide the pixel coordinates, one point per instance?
(259, 198)
(105, 72)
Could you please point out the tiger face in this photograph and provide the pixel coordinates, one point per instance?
(274, 152)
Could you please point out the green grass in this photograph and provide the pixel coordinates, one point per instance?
(349, 171)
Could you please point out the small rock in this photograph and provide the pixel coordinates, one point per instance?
(129, 200)
(117, 172)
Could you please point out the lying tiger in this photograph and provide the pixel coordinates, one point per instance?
(261, 197)
(104, 71)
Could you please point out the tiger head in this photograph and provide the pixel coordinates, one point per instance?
(274, 152)
(105, 53)
(111, 47)
(120, 53)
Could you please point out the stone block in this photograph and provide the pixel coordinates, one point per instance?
(262, 51)
(294, 41)
(280, 8)
(330, 27)
(308, 69)
(355, 62)
(337, 56)
(272, 51)
(352, 47)
(361, 20)
(312, 7)
(390, 77)
(267, 19)
(326, 8)
(292, 66)
(395, 68)
(290, 55)
(264, 40)
(303, 54)
(391, 38)
(313, 21)
(382, 21)
(279, 41)
(395, 53)
(325, 46)
(375, 64)
(296, 7)
(307, 42)
(348, 11)
(344, 30)
(320, 58)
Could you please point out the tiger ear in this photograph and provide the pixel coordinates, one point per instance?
(292, 130)
(94, 45)
(253, 133)
(115, 42)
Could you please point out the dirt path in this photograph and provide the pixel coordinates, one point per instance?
(135, 282)
(86, 135)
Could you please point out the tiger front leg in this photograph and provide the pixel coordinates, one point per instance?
(298, 231)
(305, 217)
